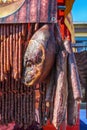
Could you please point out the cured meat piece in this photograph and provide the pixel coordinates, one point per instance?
(15, 51)
(8, 47)
(76, 87)
(82, 61)
(37, 62)
(71, 104)
(60, 99)
(71, 108)
(8, 99)
(31, 30)
(23, 29)
(3, 104)
(23, 34)
(37, 103)
(5, 54)
(50, 86)
(14, 44)
(11, 45)
(50, 92)
(58, 37)
(37, 26)
(6, 102)
(20, 58)
(2, 55)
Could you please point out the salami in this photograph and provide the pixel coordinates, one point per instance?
(60, 100)
(76, 86)
(71, 103)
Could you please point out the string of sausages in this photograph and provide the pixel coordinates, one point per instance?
(17, 102)
(12, 39)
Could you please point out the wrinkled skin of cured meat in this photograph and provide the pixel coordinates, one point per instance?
(39, 56)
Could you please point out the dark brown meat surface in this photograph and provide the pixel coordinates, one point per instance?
(39, 56)
(61, 93)
(75, 81)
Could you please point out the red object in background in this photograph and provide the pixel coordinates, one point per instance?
(76, 127)
(63, 126)
(49, 126)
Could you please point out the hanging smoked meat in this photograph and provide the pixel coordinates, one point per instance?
(61, 93)
(39, 56)
(12, 39)
(75, 81)
(38, 46)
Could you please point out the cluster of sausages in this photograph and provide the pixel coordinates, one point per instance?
(12, 38)
(63, 89)
(14, 95)
(17, 103)
(66, 86)
(52, 100)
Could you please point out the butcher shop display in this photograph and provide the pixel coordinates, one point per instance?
(39, 80)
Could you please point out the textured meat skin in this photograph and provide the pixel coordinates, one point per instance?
(76, 87)
(12, 38)
(72, 106)
(60, 100)
(81, 60)
(72, 109)
(39, 56)
(1, 54)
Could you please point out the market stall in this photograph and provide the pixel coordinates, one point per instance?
(36, 88)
